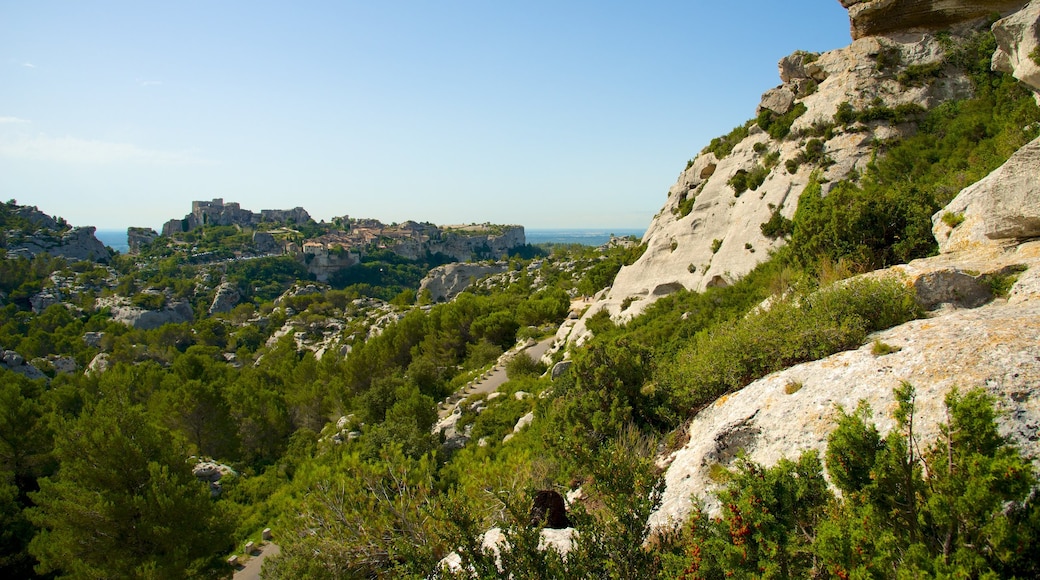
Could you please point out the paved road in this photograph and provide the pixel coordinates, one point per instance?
(251, 571)
(496, 377)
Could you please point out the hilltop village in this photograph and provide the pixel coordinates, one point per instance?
(325, 248)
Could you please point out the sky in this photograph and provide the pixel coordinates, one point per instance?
(561, 114)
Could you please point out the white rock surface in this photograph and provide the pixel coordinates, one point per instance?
(679, 250)
(446, 282)
(1018, 36)
(997, 210)
(995, 347)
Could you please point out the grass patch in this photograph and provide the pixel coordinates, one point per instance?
(793, 387)
(881, 348)
(1000, 283)
(953, 219)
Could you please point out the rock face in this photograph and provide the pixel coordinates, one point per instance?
(995, 347)
(709, 234)
(875, 17)
(75, 244)
(138, 237)
(226, 298)
(997, 210)
(122, 311)
(446, 282)
(972, 339)
(1018, 40)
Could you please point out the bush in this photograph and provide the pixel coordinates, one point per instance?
(778, 226)
(723, 146)
(522, 365)
(779, 126)
(728, 356)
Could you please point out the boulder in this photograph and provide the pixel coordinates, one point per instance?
(1000, 209)
(560, 368)
(43, 300)
(98, 365)
(226, 298)
(175, 312)
(446, 282)
(93, 339)
(15, 362)
(778, 100)
(1018, 39)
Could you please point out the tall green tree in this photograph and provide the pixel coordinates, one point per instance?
(124, 503)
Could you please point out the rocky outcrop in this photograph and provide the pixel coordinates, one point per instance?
(226, 297)
(971, 339)
(12, 361)
(1018, 46)
(710, 234)
(1002, 208)
(876, 17)
(174, 312)
(74, 244)
(323, 261)
(136, 238)
(995, 347)
(446, 282)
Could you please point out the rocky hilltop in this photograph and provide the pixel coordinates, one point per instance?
(218, 213)
(972, 338)
(29, 232)
(826, 118)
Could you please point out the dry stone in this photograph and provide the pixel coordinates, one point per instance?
(1018, 40)
(995, 347)
(875, 17)
(1001, 208)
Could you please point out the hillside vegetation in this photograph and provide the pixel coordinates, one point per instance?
(323, 399)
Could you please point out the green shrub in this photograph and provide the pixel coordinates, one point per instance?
(881, 349)
(1000, 283)
(917, 75)
(149, 301)
(778, 226)
(953, 219)
(723, 146)
(686, 202)
(739, 182)
(715, 245)
(779, 126)
(523, 365)
(728, 356)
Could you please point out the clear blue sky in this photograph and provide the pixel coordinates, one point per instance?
(547, 114)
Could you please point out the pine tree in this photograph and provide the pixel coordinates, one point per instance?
(124, 503)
